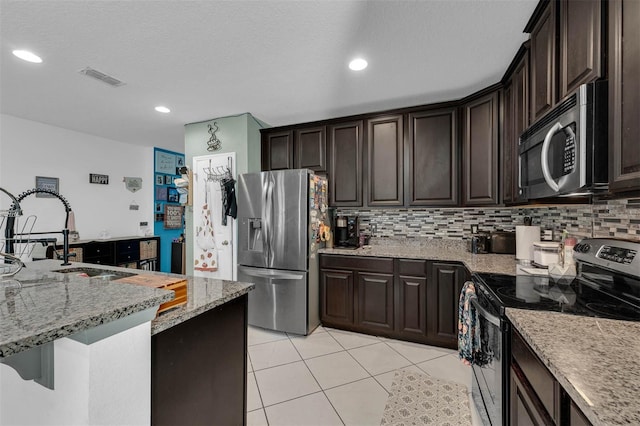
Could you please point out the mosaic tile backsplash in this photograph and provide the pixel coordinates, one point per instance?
(613, 218)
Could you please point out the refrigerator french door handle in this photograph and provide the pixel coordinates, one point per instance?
(269, 219)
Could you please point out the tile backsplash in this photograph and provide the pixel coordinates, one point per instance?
(612, 218)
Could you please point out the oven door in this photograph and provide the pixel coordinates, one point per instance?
(489, 386)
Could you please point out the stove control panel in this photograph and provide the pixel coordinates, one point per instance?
(616, 255)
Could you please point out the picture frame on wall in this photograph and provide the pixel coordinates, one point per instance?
(168, 180)
(159, 208)
(179, 161)
(161, 193)
(159, 180)
(173, 196)
(50, 183)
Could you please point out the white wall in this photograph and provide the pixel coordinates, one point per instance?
(29, 149)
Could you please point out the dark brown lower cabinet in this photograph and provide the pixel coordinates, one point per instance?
(199, 369)
(407, 299)
(535, 396)
(375, 301)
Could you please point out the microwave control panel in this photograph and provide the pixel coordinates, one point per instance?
(569, 163)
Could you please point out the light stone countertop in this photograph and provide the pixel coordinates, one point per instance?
(433, 249)
(51, 305)
(595, 360)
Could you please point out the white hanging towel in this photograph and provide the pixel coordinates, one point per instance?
(206, 257)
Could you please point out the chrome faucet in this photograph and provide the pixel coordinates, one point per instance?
(10, 232)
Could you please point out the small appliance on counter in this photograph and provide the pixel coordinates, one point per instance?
(479, 243)
(347, 232)
(502, 242)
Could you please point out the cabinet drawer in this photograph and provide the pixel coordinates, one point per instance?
(98, 251)
(148, 249)
(539, 378)
(127, 251)
(357, 263)
(416, 268)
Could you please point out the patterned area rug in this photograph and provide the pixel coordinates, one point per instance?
(419, 399)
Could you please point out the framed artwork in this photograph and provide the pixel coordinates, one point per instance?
(158, 207)
(159, 217)
(161, 193)
(173, 195)
(50, 183)
(159, 180)
(168, 180)
(179, 161)
(172, 217)
(165, 162)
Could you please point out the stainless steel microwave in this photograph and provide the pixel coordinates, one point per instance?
(566, 151)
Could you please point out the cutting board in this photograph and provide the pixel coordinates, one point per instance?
(177, 284)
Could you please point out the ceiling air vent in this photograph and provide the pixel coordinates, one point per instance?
(111, 81)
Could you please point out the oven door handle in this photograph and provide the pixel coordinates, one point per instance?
(486, 314)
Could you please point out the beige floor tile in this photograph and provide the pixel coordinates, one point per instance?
(448, 367)
(336, 369)
(316, 345)
(257, 335)
(415, 352)
(279, 384)
(311, 410)
(253, 396)
(379, 358)
(350, 340)
(249, 366)
(272, 354)
(257, 418)
(360, 403)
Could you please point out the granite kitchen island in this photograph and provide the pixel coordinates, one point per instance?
(78, 350)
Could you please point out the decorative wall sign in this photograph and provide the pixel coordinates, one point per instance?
(133, 184)
(50, 183)
(99, 179)
(165, 162)
(172, 217)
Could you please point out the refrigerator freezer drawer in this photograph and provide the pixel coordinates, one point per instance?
(279, 300)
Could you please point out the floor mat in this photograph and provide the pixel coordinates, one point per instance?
(419, 399)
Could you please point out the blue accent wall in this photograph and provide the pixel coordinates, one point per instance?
(165, 165)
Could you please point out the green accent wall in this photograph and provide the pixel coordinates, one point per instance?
(239, 134)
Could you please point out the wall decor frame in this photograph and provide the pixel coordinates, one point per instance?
(165, 162)
(51, 183)
(173, 196)
(161, 193)
(168, 180)
(159, 180)
(172, 217)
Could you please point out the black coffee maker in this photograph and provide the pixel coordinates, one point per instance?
(347, 231)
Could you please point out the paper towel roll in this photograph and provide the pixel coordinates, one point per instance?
(525, 237)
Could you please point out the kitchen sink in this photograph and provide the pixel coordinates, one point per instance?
(95, 272)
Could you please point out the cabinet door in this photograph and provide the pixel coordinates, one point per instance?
(507, 141)
(345, 164)
(543, 63)
(480, 155)
(576, 418)
(336, 297)
(624, 95)
(411, 306)
(580, 41)
(433, 158)
(375, 301)
(524, 406)
(443, 292)
(277, 150)
(520, 93)
(311, 149)
(385, 166)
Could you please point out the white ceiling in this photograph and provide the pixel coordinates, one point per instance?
(283, 61)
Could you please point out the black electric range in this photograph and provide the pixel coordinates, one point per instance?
(607, 285)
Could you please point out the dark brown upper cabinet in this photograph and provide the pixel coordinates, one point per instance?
(385, 161)
(580, 44)
(345, 164)
(432, 157)
(543, 61)
(515, 119)
(277, 150)
(311, 149)
(480, 150)
(624, 95)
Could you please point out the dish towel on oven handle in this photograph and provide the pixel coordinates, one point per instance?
(468, 331)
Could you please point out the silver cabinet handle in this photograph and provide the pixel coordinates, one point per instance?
(485, 314)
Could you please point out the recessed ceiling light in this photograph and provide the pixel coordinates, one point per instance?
(358, 64)
(25, 55)
(163, 109)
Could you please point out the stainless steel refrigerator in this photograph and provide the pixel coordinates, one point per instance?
(280, 218)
